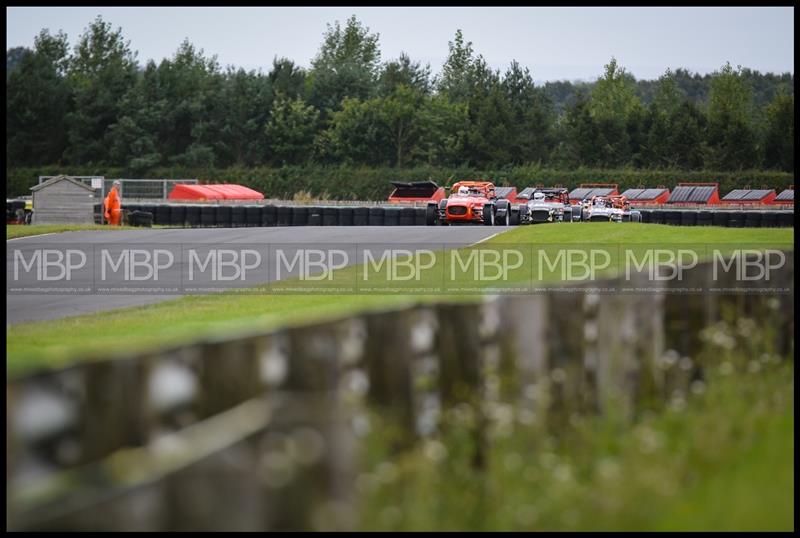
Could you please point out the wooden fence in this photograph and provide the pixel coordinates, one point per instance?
(260, 432)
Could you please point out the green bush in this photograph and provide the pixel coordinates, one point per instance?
(365, 183)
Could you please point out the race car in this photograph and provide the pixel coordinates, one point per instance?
(614, 208)
(470, 202)
(544, 205)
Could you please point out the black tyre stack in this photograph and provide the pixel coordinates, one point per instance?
(704, 218)
(208, 216)
(376, 216)
(360, 216)
(223, 215)
(688, 218)
(314, 216)
(752, 219)
(177, 216)
(769, 219)
(238, 216)
(419, 216)
(657, 216)
(391, 216)
(193, 216)
(407, 216)
(330, 216)
(720, 218)
(786, 219)
(672, 217)
(736, 219)
(346, 215)
(299, 216)
(269, 215)
(253, 215)
(283, 215)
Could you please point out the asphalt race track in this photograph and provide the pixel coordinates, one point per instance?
(36, 307)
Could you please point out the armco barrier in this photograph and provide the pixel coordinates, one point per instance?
(260, 431)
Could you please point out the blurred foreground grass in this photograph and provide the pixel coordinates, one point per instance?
(720, 459)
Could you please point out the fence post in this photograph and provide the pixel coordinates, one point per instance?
(388, 354)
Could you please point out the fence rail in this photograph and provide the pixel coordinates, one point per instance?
(260, 431)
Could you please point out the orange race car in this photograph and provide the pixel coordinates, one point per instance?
(470, 202)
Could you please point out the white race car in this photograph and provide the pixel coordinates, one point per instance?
(609, 209)
(545, 205)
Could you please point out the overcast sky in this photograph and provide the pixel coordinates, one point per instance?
(555, 43)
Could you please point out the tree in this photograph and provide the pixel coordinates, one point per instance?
(731, 136)
(532, 116)
(101, 72)
(405, 72)
(290, 130)
(347, 65)
(286, 78)
(445, 126)
(38, 99)
(356, 134)
(243, 110)
(14, 57)
(614, 106)
(779, 138)
(457, 72)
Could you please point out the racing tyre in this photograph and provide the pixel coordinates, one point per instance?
(283, 215)
(515, 217)
(330, 216)
(299, 216)
(488, 214)
(431, 214)
(503, 220)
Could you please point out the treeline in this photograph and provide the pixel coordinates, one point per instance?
(94, 105)
(372, 183)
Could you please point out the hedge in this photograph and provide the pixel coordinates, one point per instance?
(363, 183)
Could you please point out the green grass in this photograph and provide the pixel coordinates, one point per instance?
(50, 343)
(723, 460)
(16, 231)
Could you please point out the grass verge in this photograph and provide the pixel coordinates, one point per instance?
(17, 231)
(51, 343)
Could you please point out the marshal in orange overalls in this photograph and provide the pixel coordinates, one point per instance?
(113, 207)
